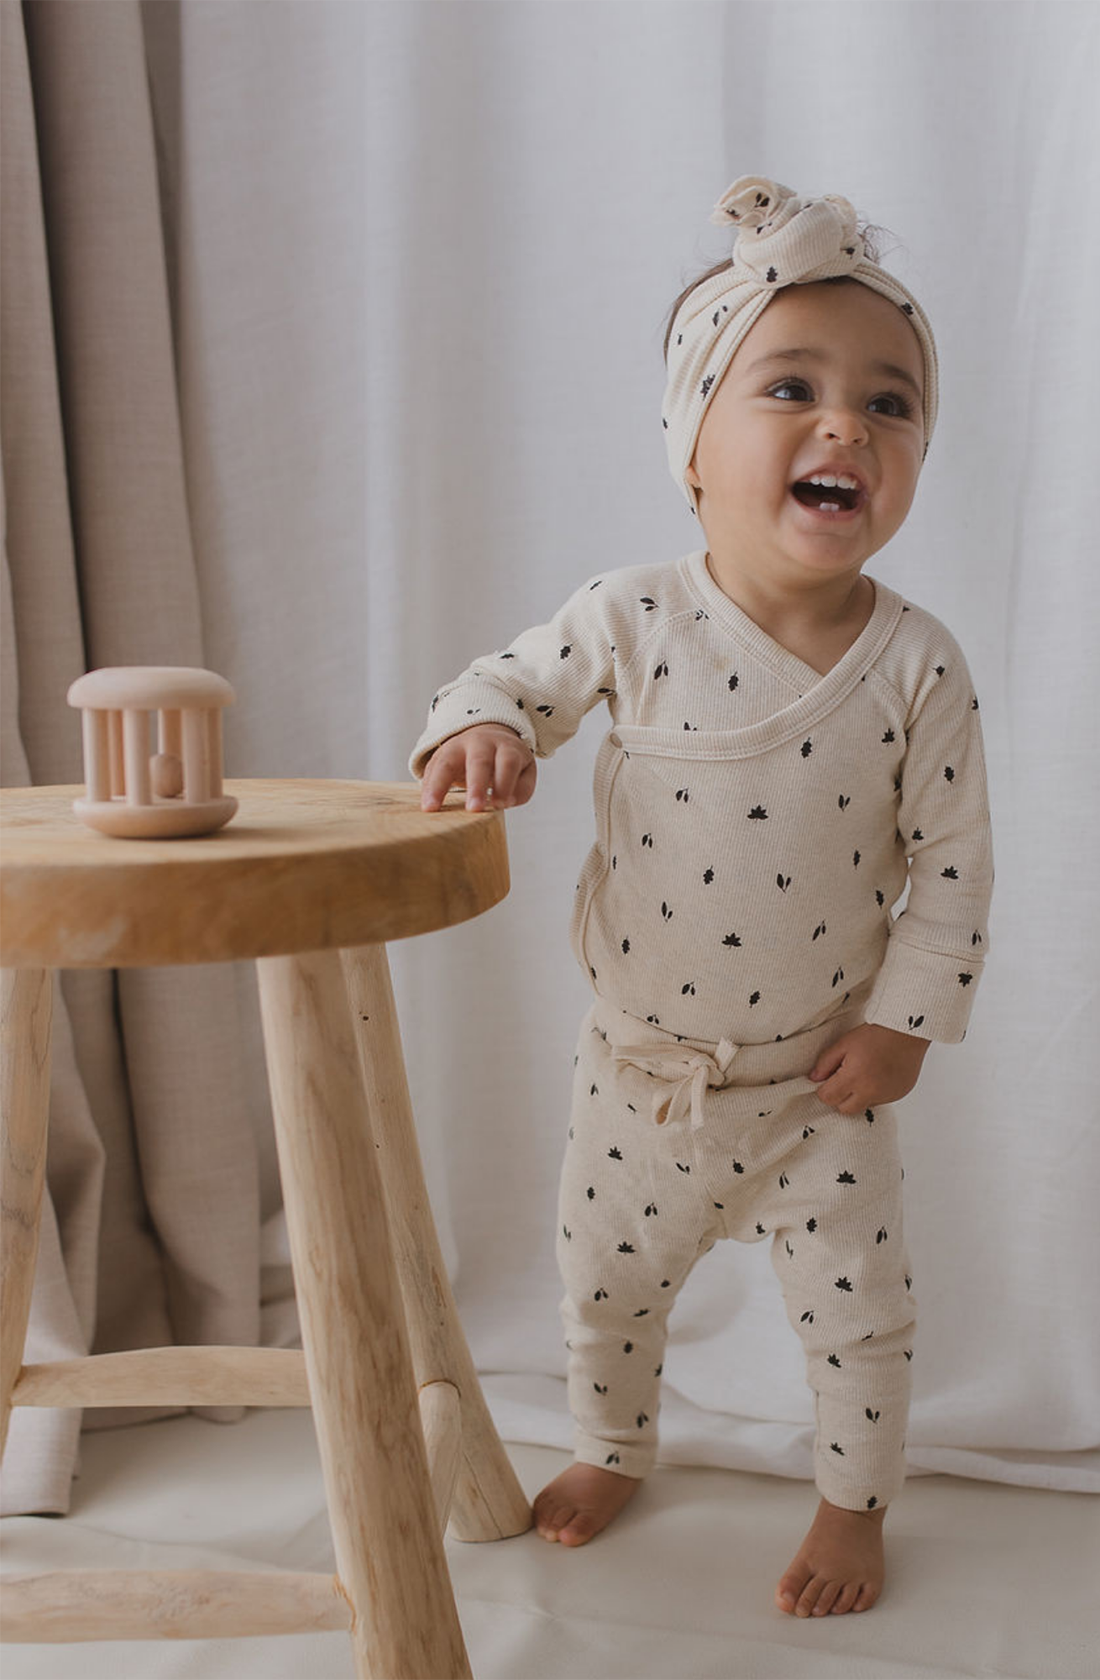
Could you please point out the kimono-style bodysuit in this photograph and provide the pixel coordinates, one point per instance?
(757, 824)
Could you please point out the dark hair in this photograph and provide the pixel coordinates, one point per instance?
(870, 246)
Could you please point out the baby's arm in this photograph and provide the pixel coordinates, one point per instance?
(492, 762)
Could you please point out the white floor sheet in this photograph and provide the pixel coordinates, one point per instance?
(984, 1579)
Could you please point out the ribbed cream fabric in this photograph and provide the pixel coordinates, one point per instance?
(642, 1200)
(757, 822)
(782, 240)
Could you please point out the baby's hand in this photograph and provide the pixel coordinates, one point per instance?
(868, 1065)
(492, 762)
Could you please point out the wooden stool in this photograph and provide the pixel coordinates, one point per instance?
(311, 879)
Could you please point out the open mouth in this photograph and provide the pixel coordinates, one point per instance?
(827, 498)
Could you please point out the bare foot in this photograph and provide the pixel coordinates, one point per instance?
(580, 1502)
(839, 1566)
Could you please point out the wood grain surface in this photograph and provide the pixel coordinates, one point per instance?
(304, 865)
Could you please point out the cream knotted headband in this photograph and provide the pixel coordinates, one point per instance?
(782, 240)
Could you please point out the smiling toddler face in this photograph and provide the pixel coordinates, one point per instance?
(826, 384)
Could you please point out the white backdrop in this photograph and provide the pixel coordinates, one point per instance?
(422, 257)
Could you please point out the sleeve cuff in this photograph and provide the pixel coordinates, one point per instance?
(927, 993)
(476, 703)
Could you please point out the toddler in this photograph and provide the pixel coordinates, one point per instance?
(793, 747)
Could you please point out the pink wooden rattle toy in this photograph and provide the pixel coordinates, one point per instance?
(174, 792)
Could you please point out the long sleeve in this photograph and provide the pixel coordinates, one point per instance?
(937, 945)
(541, 685)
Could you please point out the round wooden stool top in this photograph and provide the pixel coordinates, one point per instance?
(305, 866)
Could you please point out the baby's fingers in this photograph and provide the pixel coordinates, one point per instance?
(445, 770)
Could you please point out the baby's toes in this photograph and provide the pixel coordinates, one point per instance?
(827, 1597)
(868, 1594)
(551, 1517)
(846, 1598)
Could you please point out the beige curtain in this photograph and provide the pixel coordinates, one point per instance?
(158, 1121)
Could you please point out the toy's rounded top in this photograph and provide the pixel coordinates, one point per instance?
(134, 687)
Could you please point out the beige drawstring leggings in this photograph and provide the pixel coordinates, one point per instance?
(673, 1145)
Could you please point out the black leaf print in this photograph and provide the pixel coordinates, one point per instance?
(908, 1353)
(601, 1388)
(642, 1420)
(731, 939)
(760, 1229)
(882, 1235)
(771, 275)
(845, 1284)
(737, 1167)
(665, 911)
(520, 704)
(940, 669)
(833, 1360)
(733, 682)
(838, 976)
(807, 748)
(915, 1021)
(949, 874)
(869, 1116)
(567, 1233)
(566, 651)
(651, 1210)
(807, 1318)
(680, 1167)
(708, 877)
(614, 1153)
(626, 1248)
(976, 938)
(889, 736)
(965, 979)
(754, 999)
(647, 602)
(612, 1458)
(846, 1178)
(682, 793)
(918, 834)
(834, 1448)
(818, 931)
(872, 1502)
(547, 711)
(784, 1181)
(593, 1090)
(872, 1417)
(591, 1193)
(948, 773)
(601, 1295)
(790, 1250)
(782, 882)
(707, 383)
(647, 840)
(758, 813)
(843, 802)
(626, 946)
(879, 897)
(811, 1225)
(687, 989)
(807, 1131)
(661, 671)
(855, 859)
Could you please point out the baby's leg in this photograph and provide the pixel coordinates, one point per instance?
(628, 1235)
(840, 1254)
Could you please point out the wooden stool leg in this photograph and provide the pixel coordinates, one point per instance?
(26, 1009)
(488, 1503)
(389, 1552)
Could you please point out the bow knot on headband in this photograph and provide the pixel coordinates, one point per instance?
(781, 240)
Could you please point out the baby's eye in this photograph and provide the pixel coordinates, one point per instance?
(900, 406)
(800, 388)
